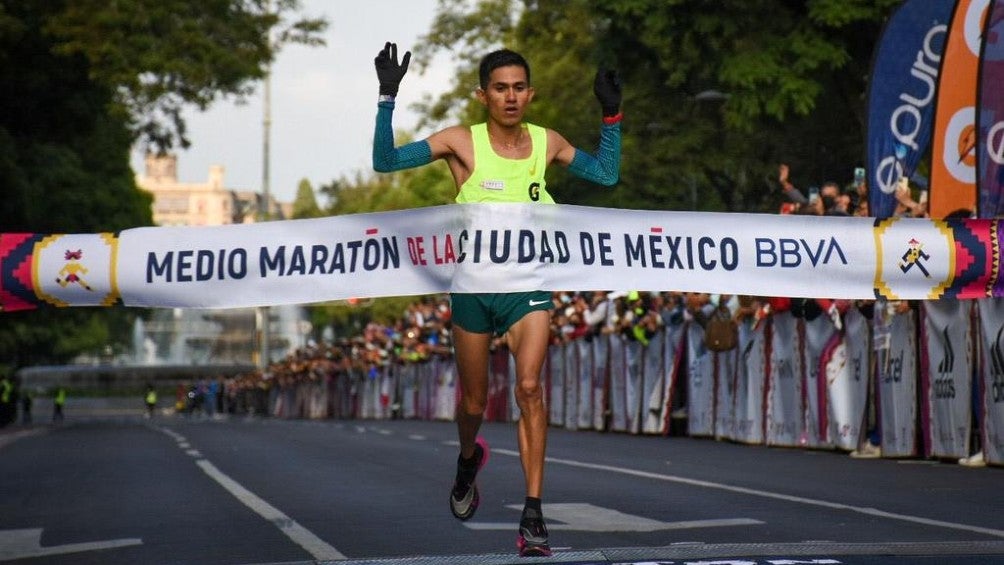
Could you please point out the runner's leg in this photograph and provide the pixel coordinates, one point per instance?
(471, 354)
(528, 340)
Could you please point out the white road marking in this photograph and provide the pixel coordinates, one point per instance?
(802, 561)
(303, 537)
(744, 562)
(177, 437)
(589, 518)
(766, 494)
(22, 544)
(417, 437)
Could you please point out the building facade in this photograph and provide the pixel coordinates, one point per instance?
(208, 203)
(200, 336)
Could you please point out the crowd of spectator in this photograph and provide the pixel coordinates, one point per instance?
(830, 199)
(423, 333)
(423, 330)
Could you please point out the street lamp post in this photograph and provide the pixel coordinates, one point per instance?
(710, 95)
(264, 356)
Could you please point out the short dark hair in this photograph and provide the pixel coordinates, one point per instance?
(500, 58)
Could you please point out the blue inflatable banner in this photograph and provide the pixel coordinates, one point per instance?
(901, 96)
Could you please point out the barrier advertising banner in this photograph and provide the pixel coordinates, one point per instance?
(817, 335)
(785, 424)
(556, 376)
(750, 386)
(584, 349)
(499, 407)
(991, 397)
(571, 378)
(674, 343)
(653, 388)
(427, 390)
(633, 393)
(700, 384)
(726, 411)
(897, 377)
(850, 396)
(946, 377)
(618, 377)
(600, 381)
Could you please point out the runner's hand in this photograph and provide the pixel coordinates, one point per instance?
(389, 71)
(607, 87)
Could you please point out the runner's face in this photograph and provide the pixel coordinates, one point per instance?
(507, 95)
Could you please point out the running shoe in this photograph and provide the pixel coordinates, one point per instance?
(464, 497)
(532, 539)
(976, 460)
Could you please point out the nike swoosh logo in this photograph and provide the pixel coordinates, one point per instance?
(538, 302)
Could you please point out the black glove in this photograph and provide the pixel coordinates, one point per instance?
(388, 70)
(607, 88)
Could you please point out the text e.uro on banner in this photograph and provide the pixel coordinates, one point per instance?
(502, 248)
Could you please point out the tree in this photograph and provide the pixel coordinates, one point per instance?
(82, 81)
(715, 95)
(431, 185)
(160, 55)
(305, 204)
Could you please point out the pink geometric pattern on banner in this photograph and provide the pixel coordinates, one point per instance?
(16, 289)
(974, 259)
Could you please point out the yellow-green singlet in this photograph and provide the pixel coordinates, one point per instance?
(498, 179)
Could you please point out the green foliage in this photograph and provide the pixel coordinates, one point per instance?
(305, 204)
(431, 185)
(160, 55)
(793, 75)
(716, 94)
(58, 335)
(84, 79)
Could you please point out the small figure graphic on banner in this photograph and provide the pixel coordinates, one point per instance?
(913, 257)
(70, 273)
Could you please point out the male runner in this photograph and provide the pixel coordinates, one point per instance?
(497, 161)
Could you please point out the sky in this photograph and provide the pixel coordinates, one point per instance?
(323, 103)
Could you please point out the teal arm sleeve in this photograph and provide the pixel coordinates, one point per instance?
(386, 157)
(604, 167)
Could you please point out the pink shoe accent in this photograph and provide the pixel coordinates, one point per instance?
(531, 551)
(484, 449)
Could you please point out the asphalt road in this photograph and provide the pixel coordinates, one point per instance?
(121, 489)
